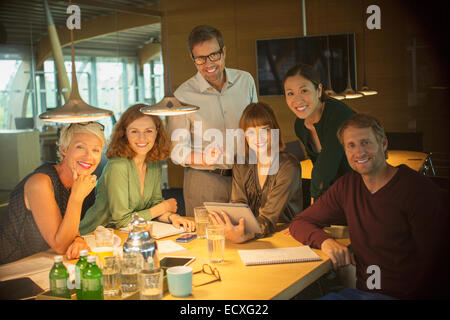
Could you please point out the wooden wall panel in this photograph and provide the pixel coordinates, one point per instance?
(387, 59)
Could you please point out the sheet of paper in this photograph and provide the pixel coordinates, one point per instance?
(162, 230)
(25, 268)
(41, 279)
(159, 229)
(166, 246)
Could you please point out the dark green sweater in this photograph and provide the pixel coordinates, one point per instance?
(331, 162)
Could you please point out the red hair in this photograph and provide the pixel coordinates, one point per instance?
(119, 146)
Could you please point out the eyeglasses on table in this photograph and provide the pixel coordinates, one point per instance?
(207, 269)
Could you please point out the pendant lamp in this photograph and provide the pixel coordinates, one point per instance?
(75, 109)
(349, 92)
(329, 91)
(169, 105)
(365, 90)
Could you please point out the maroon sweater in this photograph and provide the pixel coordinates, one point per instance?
(399, 228)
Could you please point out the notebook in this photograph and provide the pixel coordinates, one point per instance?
(278, 255)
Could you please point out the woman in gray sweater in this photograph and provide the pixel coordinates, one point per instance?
(269, 181)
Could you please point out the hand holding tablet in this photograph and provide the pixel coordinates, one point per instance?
(235, 212)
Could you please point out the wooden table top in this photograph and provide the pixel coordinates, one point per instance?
(263, 282)
(239, 282)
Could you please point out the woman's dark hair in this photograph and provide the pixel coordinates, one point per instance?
(204, 33)
(309, 73)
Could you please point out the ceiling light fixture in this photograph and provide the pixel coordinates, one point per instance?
(349, 92)
(365, 90)
(75, 109)
(329, 91)
(169, 105)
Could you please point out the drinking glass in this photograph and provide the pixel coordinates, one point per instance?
(215, 235)
(201, 221)
(111, 278)
(104, 237)
(151, 284)
(130, 266)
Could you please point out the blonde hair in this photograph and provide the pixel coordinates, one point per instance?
(361, 120)
(69, 131)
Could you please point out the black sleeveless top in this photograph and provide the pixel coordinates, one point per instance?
(19, 235)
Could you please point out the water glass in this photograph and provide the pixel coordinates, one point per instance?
(111, 278)
(215, 235)
(130, 266)
(101, 253)
(151, 284)
(104, 237)
(201, 221)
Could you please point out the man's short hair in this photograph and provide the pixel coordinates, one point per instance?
(361, 120)
(204, 33)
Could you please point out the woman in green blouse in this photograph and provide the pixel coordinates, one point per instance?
(318, 119)
(270, 179)
(131, 180)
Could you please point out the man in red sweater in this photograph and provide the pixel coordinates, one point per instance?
(396, 219)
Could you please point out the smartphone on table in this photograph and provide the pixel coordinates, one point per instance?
(186, 237)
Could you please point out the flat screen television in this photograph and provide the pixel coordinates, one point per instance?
(276, 56)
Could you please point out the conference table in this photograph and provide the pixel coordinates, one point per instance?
(238, 282)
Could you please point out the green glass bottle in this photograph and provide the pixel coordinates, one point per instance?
(59, 277)
(81, 264)
(91, 281)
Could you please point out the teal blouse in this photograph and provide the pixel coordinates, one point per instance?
(331, 163)
(118, 196)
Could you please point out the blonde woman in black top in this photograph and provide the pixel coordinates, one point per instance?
(45, 207)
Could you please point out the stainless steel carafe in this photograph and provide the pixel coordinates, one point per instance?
(140, 239)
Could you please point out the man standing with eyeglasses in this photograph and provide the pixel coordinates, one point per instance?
(222, 95)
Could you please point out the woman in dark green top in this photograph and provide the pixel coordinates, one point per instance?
(318, 119)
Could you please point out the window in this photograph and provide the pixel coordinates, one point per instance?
(104, 82)
(7, 75)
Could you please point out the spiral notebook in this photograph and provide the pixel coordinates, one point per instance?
(278, 255)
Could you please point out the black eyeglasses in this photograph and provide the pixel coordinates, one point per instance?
(210, 271)
(102, 127)
(215, 56)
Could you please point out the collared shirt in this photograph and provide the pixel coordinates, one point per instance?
(218, 112)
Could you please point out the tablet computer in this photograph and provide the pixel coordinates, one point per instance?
(236, 211)
(174, 261)
(19, 289)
